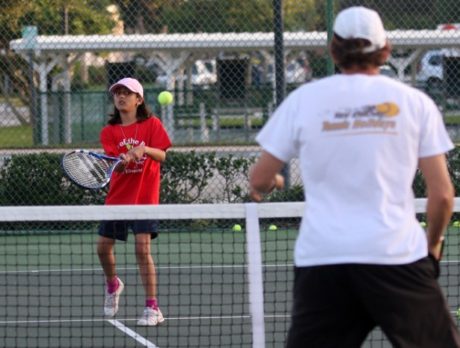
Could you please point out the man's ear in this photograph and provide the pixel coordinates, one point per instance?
(387, 51)
(387, 55)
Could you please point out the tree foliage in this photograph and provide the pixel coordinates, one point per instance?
(82, 16)
(303, 15)
(143, 16)
(182, 16)
(421, 14)
(12, 11)
(49, 16)
(153, 16)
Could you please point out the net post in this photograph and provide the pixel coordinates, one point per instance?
(255, 278)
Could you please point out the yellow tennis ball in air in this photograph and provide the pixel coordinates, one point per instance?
(456, 224)
(237, 228)
(272, 228)
(165, 98)
(423, 223)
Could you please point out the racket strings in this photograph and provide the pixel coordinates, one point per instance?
(97, 167)
(86, 170)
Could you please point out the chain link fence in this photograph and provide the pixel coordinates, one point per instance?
(218, 58)
(228, 64)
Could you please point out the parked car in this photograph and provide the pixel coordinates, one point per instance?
(203, 74)
(296, 72)
(388, 71)
(430, 70)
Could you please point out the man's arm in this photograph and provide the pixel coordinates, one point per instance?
(440, 193)
(264, 177)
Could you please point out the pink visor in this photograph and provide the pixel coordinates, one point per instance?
(132, 84)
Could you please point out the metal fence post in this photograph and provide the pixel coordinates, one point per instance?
(280, 81)
(330, 33)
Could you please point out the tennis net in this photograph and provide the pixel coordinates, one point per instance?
(219, 285)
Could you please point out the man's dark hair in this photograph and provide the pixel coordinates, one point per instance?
(348, 53)
(142, 113)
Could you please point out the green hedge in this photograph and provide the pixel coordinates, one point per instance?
(453, 159)
(187, 177)
(37, 179)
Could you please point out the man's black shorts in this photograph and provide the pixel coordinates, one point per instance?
(338, 305)
(119, 229)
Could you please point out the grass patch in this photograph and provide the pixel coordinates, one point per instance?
(225, 122)
(16, 137)
(452, 119)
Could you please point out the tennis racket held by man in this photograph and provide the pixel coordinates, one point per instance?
(89, 169)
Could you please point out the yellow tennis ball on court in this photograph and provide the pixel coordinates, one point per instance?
(237, 227)
(272, 228)
(165, 98)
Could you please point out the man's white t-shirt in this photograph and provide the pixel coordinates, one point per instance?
(358, 139)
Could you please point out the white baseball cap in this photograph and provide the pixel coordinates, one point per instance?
(132, 84)
(361, 23)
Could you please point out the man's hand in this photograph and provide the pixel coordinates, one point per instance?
(278, 183)
(436, 250)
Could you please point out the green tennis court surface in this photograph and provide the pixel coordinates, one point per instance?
(52, 286)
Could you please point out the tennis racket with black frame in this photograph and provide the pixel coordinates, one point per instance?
(89, 169)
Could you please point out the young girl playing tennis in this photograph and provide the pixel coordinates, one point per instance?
(139, 138)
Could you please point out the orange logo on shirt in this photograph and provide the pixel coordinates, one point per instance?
(363, 119)
(387, 109)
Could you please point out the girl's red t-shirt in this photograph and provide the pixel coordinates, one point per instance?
(140, 181)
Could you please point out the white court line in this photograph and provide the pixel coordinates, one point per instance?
(98, 269)
(132, 333)
(49, 321)
(194, 318)
(61, 321)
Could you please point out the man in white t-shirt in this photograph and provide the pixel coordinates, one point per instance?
(361, 258)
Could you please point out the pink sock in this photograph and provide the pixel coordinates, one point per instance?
(112, 285)
(151, 303)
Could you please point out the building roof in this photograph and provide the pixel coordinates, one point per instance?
(218, 41)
